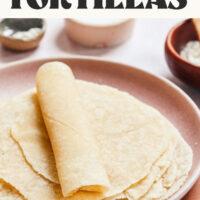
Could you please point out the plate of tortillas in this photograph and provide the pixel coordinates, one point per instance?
(85, 129)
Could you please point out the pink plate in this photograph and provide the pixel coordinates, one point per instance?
(155, 91)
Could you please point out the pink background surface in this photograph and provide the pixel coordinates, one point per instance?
(145, 49)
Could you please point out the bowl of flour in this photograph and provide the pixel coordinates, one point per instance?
(182, 53)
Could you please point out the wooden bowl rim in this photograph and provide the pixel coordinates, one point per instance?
(173, 51)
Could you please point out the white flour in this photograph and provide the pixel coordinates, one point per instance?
(23, 35)
(191, 52)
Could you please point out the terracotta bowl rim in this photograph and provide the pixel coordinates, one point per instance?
(172, 50)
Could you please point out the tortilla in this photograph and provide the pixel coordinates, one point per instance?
(175, 176)
(141, 188)
(30, 140)
(76, 154)
(14, 169)
(160, 167)
(102, 102)
(136, 146)
(185, 162)
(99, 103)
(8, 193)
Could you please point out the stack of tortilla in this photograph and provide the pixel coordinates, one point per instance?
(75, 140)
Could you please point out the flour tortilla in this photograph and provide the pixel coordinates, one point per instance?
(132, 114)
(76, 154)
(95, 90)
(8, 193)
(176, 175)
(135, 118)
(14, 169)
(160, 167)
(125, 128)
(26, 133)
(141, 188)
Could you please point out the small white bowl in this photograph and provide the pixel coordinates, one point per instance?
(99, 33)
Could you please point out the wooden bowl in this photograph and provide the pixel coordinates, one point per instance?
(20, 44)
(177, 38)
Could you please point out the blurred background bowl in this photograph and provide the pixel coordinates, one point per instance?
(177, 38)
(23, 26)
(99, 33)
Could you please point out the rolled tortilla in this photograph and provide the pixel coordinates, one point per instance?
(75, 151)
